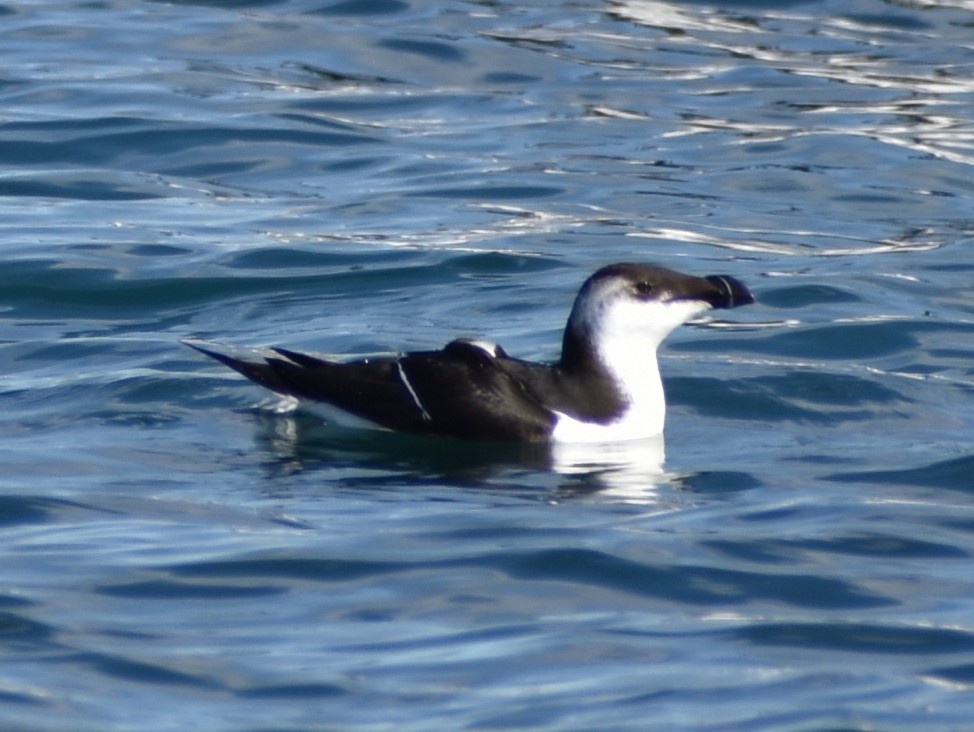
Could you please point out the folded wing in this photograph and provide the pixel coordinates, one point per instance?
(462, 390)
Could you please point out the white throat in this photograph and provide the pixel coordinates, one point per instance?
(626, 336)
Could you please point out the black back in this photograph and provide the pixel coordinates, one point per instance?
(459, 391)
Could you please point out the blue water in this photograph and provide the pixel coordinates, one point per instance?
(364, 176)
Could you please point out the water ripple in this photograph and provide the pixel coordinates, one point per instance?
(363, 176)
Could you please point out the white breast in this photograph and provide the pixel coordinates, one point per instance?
(626, 336)
(632, 426)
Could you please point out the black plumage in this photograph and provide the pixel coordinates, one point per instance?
(474, 390)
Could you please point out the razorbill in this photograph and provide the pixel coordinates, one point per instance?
(605, 387)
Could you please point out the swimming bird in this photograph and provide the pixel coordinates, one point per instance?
(605, 387)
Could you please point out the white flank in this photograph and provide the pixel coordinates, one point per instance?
(487, 346)
(338, 417)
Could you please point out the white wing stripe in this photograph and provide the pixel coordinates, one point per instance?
(412, 392)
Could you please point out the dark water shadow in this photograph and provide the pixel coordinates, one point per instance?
(954, 474)
(301, 443)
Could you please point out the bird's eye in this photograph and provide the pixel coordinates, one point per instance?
(644, 288)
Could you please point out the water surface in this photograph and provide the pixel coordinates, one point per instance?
(368, 176)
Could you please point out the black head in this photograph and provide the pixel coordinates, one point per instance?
(639, 304)
(649, 282)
